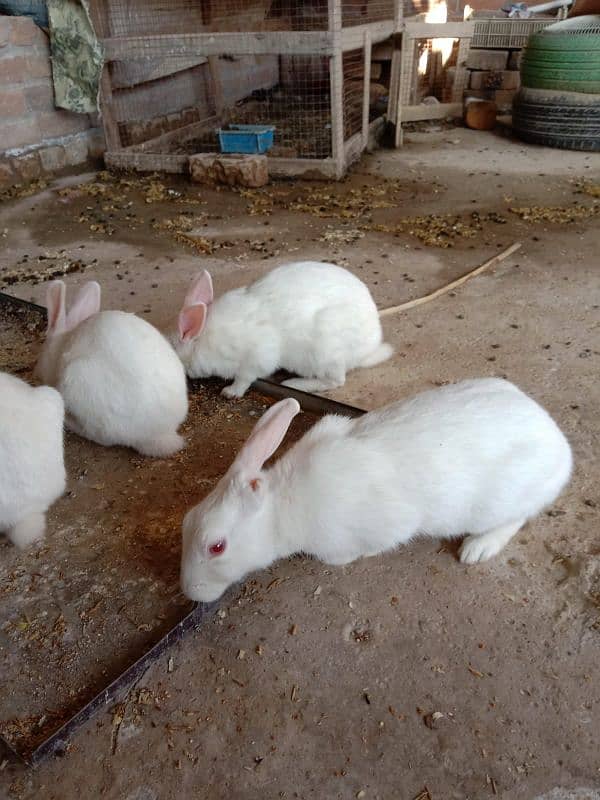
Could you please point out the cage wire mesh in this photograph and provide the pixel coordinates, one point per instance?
(146, 17)
(169, 103)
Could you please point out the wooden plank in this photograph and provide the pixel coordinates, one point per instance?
(353, 38)
(438, 30)
(461, 73)
(395, 76)
(398, 15)
(437, 111)
(336, 85)
(174, 137)
(214, 44)
(215, 81)
(109, 119)
(307, 168)
(407, 65)
(366, 88)
(132, 73)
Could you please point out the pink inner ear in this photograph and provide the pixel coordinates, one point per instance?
(201, 291)
(191, 321)
(55, 304)
(267, 435)
(86, 304)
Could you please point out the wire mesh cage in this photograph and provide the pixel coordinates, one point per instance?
(179, 71)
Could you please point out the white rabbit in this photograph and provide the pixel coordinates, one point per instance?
(315, 319)
(477, 457)
(120, 379)
(32, 469)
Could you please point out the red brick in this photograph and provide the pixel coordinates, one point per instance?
(61, 123)
(39, 98)
(22, 31)
(487, 59)
(28, 167)
(485, 80)
(20, 69)
(13, 69)
(510, 80)
(504, 99)
(19, 134)
(53, 158)
(39, 66)
(76, 151)
(12, 103)
(7, 176)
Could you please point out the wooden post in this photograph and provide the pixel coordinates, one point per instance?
(460, 76)
(216, 85)
(101, 21)
(398, 15)
(336, 83)
(109, 119)
(366, 89)
(407, 65)
(396, 65)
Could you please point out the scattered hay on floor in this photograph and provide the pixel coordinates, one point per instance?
(440, 230)
(52, 267)
(341, 236)
(22, 190)
(559, 215)
(352, 204)
(591, 189)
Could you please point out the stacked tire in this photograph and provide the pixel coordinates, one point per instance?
(559, 104)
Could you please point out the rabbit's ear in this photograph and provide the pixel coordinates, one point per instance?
(191, 321)
(55, 303)
(86, 303)
(267, 435)
(201, 290)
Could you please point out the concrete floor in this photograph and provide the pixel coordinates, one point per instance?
(507, 651)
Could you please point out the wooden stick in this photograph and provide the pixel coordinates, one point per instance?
(458, 282)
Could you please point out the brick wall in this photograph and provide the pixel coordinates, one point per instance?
(36, 137)
(493, 75)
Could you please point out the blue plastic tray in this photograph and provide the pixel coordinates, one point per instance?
(246, 138)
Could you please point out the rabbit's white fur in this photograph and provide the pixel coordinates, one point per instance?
(32, 469)
(120, 379)
(315, 319)
(477, 457)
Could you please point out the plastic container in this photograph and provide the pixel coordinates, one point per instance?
(246, 138)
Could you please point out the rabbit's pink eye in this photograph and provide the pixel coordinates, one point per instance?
(218, 548)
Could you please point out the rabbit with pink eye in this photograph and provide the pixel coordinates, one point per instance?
(478, 457)
(32, 469)
(120, 379)
(314, 319)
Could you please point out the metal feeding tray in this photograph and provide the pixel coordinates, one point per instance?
(87, 612)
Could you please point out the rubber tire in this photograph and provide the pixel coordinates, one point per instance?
(562, 61)
(568, 120)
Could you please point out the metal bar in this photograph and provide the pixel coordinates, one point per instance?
(58, 740)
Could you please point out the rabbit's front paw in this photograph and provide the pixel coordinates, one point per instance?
(233, 391)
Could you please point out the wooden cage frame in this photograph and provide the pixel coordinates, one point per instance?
(333, 42)
(403, 73)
